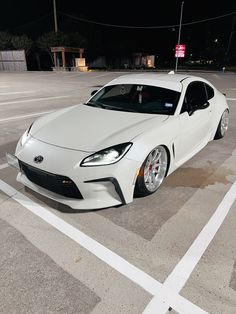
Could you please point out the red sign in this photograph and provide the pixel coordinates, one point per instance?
(180, 51)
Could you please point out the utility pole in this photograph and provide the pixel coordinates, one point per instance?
(180, 26)
(55, 15)
(229, 41)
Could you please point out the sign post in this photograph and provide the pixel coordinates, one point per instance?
(180, 25)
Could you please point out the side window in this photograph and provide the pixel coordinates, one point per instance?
(195, 96)
(210, 91)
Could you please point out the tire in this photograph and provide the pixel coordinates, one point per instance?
(152, 172)
(223, 125)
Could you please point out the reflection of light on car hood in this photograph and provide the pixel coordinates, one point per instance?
(89, 129)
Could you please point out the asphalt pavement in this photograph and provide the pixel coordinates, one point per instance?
(172, 250)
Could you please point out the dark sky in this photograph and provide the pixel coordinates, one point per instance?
(17, 12)
(34, 17)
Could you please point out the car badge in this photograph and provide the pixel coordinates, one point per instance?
(38, 159)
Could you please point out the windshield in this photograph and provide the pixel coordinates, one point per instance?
(136, 98)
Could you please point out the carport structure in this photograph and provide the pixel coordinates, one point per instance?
(61, 60)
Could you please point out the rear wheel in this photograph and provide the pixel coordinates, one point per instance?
(223, 125)
(152, 172)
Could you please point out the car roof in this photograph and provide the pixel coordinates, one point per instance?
(170, 81)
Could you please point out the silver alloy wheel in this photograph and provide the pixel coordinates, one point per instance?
(224, 122)
(155, 168)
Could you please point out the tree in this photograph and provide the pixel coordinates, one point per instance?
(22, 42)
(52, 39)
(5, 41)
(14, 42)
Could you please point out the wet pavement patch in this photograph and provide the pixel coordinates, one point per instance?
(31, 282)
(198, 177)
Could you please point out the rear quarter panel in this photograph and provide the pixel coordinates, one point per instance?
(219, 106)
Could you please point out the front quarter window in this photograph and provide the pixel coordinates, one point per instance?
(210, 92)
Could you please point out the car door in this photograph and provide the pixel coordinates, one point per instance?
(194, 120)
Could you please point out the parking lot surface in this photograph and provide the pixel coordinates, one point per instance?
(171, 251)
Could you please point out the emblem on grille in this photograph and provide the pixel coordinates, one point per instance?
(38, 159)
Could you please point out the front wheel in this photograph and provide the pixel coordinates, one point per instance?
(223, 125)
(152, 172)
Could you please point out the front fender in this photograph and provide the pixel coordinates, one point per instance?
(164, 135)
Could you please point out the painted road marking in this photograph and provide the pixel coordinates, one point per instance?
(24, 116)
(14, 93)
(230, 98)
(182, 271)
(3, 166)
(31, 100)
(112, 259)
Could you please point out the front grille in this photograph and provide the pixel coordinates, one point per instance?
(52, 182)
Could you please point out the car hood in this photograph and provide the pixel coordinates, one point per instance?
(90, 129)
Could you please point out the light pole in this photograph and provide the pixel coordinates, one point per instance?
(55, 15)
(180, 26)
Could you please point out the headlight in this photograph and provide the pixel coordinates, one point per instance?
(106, 156)
(25, 136)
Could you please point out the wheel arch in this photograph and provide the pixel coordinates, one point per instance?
(168, 158)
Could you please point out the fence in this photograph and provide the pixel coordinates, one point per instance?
(13, 60)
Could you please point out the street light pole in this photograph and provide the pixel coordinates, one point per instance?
(55, 15)
(180, 26)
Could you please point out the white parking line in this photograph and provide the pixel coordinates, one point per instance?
(230, 98)
(182, 271)
(21, 92)
(112, 259)
(106, 255)
(31, 100)
(24, 116)
(3, 166)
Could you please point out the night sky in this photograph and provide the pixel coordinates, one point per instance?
(35, 18)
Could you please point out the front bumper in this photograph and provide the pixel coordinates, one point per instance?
(100, 187)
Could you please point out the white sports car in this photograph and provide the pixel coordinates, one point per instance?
(130, 134)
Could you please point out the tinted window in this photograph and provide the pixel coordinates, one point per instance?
(210, 92)
(136, 98)
(195, 96)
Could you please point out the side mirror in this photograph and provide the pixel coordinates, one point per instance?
(94, 92)
(192, 106)
(205, 105)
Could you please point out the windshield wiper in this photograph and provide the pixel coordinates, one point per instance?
(119, 108)
(95, 104)
(101, 105)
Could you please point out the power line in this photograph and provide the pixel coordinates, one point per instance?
(145, 27)
(31, 22)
